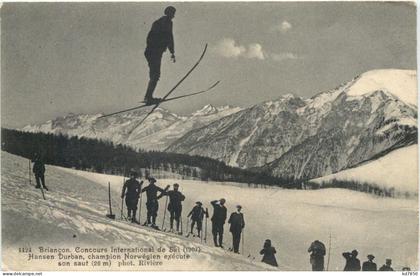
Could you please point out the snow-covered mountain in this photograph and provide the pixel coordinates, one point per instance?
(306, 138)
(156, 133)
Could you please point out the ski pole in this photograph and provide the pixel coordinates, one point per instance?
(205, 229)
(122, 199)
(29, 171)
(164, 212)
(329, 250)
(181, 224)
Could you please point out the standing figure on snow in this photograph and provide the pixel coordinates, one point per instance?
(352, 262)
(39, 171)
(131, 191)
(369, 265)
(152, 201)
(175, 205)
(387, 266)
(317, 250)
(159, 39)
(218, 220)
(268, 251)
(197, 214)
(237, 224)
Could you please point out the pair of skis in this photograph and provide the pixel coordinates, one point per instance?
(166, 97)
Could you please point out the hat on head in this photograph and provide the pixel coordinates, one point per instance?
(354, 252)
(152, 179)
(199, 203)
(238, 206)
(370, 256)
(176, 185)
(169, 10)
(222, 200)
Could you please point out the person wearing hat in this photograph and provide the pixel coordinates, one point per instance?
(352, 262)
(197, 214)
(237, 224)
(131, 191)
(268, 251)
(39, 172)
(152, 201)
(387, 266)
(218, 220)
(369, 265)
(159, 39)
(317, 250)
(175, 205)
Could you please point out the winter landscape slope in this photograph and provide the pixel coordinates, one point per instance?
(292, 219)
(306, 138)
(74, 215)
(398, 170)
(156, 133)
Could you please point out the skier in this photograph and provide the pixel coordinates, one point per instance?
(175, 206)
(131, 190)
(317, 250)
(152, 201)
(352, 262)
(387, 266)
(237, 223)
(39, 171)
(197, 214)
(369, 265)
(218, 220)
(268, 251)
(159, 39)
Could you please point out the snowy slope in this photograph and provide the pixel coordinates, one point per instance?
(292, 219)
(77, 206)
(401, 83)
(398, 169)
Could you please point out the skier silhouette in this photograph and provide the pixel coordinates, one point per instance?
(159, 39)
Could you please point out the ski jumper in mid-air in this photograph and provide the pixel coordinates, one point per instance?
(159, 39)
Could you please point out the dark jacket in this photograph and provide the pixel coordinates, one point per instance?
(237, 222)
(219, 213)
(352, 262)
(386, 268)
(269, 257)
(152, 190)
(175, 198)
(369, 266)
(317, 250)
(131, 189)
(197, 213)
(39, 168)
(160, 36)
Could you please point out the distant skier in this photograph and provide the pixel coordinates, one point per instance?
(369, 265)
(39, 171)
(218, 220)
(317, 250)
(159, 39)
(152, 201)
(175, 205)
(268, 251)
(131, 191)
(237, 224)
(352, 262)
(197, 214)
(387, 266)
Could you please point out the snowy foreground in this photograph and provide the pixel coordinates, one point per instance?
(398, 169)
(74, 215)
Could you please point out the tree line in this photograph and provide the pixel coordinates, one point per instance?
(106, 157)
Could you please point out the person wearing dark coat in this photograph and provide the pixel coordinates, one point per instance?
(197, 215)
(352, 262)
(387, 266)
(131, 191)
(39, 172)
(317, 250)
(152, 200)
(237, 224)
(268, 253)
(159, 39)
(369, 265)
(218, 220)
(175, 205)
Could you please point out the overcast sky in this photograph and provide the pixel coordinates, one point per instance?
(58, 58)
